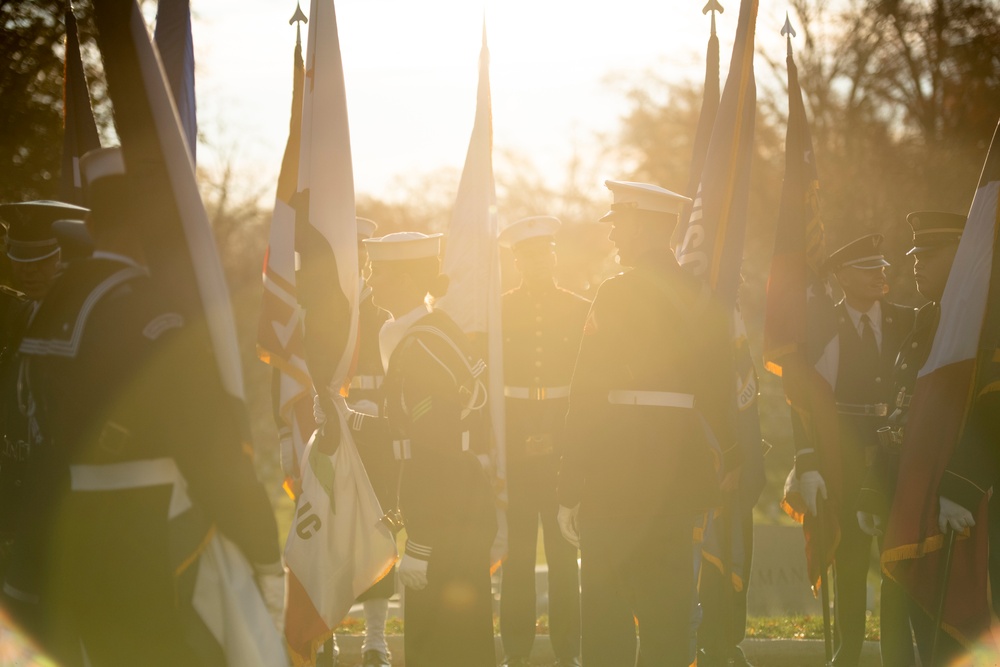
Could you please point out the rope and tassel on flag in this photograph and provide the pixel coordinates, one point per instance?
(337, 547)
(279, 332)
(800, 327)
(79, 127)
(472, 263)
(181, 256)
(960, 370)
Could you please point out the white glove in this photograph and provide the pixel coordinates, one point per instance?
(413, 572)
(811, 484)
(567, 524)
(870, 524)
(271, 582)
(954, 516)
(319, 416)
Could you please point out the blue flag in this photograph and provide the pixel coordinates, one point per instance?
(176, 46)
(79, 127)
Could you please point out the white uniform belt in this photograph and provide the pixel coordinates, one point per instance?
(133, 475)
(863, 410)
(535, 393)
(663, 399)
(402, 451)
(366, 382)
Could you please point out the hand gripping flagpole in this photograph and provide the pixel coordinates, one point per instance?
(949, 549)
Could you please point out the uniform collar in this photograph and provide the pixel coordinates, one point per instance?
(394, 329)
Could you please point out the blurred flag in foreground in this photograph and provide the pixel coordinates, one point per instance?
(181, 256)
(799, 326)
(472, 263)
(79, 127)
(337, 546)
(176, 48)
(959, 370)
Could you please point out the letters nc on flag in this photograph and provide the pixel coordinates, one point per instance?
(337, 547)
(799, 325)
(960, 371)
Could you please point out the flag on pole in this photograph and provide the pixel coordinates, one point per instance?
(711, 246)
(706, 120)
(176, 47)
(800, 325)
(181, 256)
(79, 126)
(959, 370)
(337, 546)
(472, 263)
(279, 331)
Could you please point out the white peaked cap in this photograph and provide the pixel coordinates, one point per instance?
(633, 197)
(101, 163)
(403, 245)
(366, 228)
(537, 226)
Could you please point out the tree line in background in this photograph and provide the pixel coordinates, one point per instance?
(902, 98)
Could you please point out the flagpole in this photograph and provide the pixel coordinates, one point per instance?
(949, 549)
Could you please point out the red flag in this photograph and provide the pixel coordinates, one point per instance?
(279, 331)
(799, 326)
(912, 553)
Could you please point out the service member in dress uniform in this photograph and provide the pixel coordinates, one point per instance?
(870, 332)
(34, 253)
(137, 468)
(935, 240)
(542, 327)
(433, 413)
(646, 429)
(366, 396)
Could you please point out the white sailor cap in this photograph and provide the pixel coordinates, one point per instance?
(637, 200)
(535, 227)
(403, 246)
(101, 163)
(366, 228)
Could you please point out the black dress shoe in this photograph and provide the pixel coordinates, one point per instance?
(375, 658)
(515, 662)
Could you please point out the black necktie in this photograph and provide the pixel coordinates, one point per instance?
(869, 346)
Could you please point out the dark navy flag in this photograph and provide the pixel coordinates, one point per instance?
(176, 46)
(79, 127)
(800, 326)
(712, 244)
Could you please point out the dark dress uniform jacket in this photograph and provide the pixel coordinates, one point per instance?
(118, 383)
(15, 447)
(445, 496)
(542, 333)
(880, 484)
(649, 330)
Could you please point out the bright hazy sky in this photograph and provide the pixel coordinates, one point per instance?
(411, 74)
